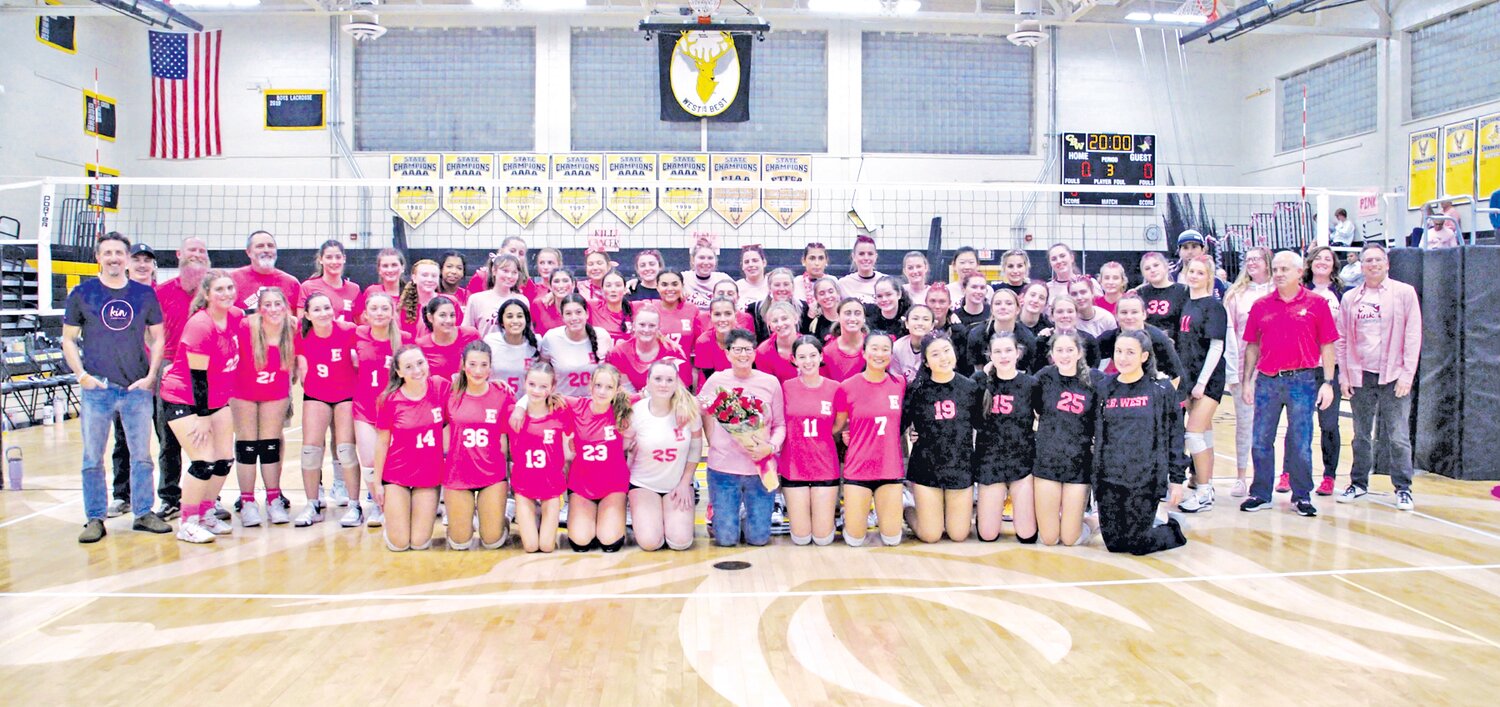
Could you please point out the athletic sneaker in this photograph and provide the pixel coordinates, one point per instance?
(116, 508)
(779, 524)
(1305, 508)
(1200, 502)
(311, 513)
(562, 515)
(191, 532)
(442, 513)
(340, 494)
(1351, 494)
(1253, 504)
(220, 511)
(279, 511)
(1007, 514)
(1326, 488)
(375, 518)
(510, 509)
(149, 522)
(169, 510)
(1284, 483)
(1404, 502)
(353, 517)
(249, 514)
(214, 525)
(93, 531)
(1240, 489)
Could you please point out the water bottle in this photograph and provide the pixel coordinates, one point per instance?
(13, 467)
(47, 411)
(59, 408)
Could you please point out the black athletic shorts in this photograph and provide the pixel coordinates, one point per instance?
(872, 484)
(307, 398)
(796, 484)
(173, 411)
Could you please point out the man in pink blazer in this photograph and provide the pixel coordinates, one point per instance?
(1382, 322)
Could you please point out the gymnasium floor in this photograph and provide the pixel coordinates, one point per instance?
(1360, 605)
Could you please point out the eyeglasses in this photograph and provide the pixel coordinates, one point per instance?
(741, 350)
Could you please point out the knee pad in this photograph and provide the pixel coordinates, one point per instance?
(423, 546)
(462, 546)
(890, 540)
(270, 451)
(222, 467)
(202, 471)
(611, 547)
(1027, 540)
(801, 539)
(312, 458)
(852, 541)
(246, 452)
(824, 541)
(679, 547)
(984, 539)
(583, 547)
(347, 456)
(1198, 442)
(367, 473)
(393, 548)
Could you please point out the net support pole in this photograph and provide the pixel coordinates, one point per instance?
(47, 211)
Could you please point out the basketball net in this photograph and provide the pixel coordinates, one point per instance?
(1205, 8)
(704, 9)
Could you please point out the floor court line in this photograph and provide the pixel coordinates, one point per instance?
(561, 598)
(52, 507)
(1417, 611)
(1444, 521)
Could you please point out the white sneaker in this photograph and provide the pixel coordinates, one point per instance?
(250, 514)
(352, 517)
(278, 511)
(510, 509)
(116, 508)
(442, 513)
(1351, 494)
(212, 524)
(339, 495)
(1240, 489)
(1404, 501)
(190, 532)
(220, 511)
(1201, 501)
(311, 513)
(562, 516)
(376, 517)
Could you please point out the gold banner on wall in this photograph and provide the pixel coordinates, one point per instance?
(577, 203)
(1458, 159)
(468, 204)
(415, 203)
(523, 203)
(631, 203)
(735, 206)
(1422, 167)
(787, 204)
(687, 201)
(1488, 138)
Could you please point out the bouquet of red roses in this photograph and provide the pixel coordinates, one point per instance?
(746, 419)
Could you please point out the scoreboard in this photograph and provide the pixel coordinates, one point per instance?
(1114, 159)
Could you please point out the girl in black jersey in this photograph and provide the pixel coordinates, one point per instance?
(1064, 313)
(1066, 402)
(941, 406)
(1005, 443)
(1005, 307)
(1130, 314)
(1200, 343)
(1164, 299)
(1133, 455)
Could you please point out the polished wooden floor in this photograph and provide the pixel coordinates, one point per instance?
(1363, 604)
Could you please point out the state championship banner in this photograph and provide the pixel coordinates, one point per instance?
(787, 204)
(631, 203)
(687, 201)
(523, 202)
(577, 203)
(415, 203)
(704, 75)
(1458, 159)
(735, 206)
(1422, 168)
(1489, 155)
(469, 203)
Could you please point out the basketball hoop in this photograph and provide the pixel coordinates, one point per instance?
(704, 9)
(1207, 9)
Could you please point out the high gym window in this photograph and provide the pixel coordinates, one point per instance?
(938, 94)
(1342, 99)
(458, 89)
(1454, 64)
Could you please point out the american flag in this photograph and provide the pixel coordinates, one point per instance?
(185, 94)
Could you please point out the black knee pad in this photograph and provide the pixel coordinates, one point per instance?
(585, 547)
(202, 471)
(222, 467)
(611, 547)
(984, 539)
(1027, 540)
(246, 452)
(269, 451)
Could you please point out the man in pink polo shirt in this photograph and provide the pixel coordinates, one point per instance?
(1383, 321)
(1289, 359)
(261, 273)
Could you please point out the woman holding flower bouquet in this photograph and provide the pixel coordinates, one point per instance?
(743, 416)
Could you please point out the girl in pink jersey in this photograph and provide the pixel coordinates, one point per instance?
(774, 355)
(328, 278)
(676, 316)
(325, 363)
(843, 355)
(444, 342)
(595, 266)
(389, 266)
(196, 393)
(668, 445)
(259, 406)
(609, 310)
(708, 346)
(809, 464)
(478, 451)
(867, 412)
(375, 347)
(548, 261)
(599, 475)
(546, 309)
(409, 460)
(425, 278)
(634, 355)
(451, 268)
(541, 448)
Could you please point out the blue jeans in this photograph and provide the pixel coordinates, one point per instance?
(727, 492)
(1298, 394)
(99, 408)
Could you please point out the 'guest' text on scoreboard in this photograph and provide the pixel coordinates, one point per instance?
(1113, 159)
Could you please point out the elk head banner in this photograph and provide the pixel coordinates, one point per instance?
(735, 206)
(704, 75)
(687, 201)
(577, 203)
(631, 203)
(415, 203)
(1458, 160)
(524, 202)
(470, 202)
(1422, 167)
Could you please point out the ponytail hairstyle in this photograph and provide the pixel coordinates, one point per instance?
(393, 328)
(589, 329)
(200, 298)
(924, 370)
(864, 327)
(788, 274)
(661, 262)
(992, 374)
(501, 259)
(1148, 368)
(433, 305)
(521, 262)
(461, 380)
(527, 333)
(285, 346)
(1083, 373)
(859, 240)
(806, 340)
(395, 381)
(307, 324)
(733, 307)
(620, 403)
(903, 300)
(409, 298)
(463, 265)
(625, 308)
(556, 255)
(684, 405)
(390, 253)
(554, 401)
(553, 278)
(788, 307)
(1132, 294)
(815, 309)
(318, 261)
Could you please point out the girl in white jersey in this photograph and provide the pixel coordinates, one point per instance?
(576, 348)
(668, 446)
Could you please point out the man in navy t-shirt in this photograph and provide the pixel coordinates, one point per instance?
(120, 324)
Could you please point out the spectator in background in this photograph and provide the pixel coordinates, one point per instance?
(1451, 211)
(1190, 244)
(1440, 234)
(1352, 273)
(1343, 230)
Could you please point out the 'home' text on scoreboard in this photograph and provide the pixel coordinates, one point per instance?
(1112, 159)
